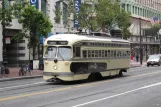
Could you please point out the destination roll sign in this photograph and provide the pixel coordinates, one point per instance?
(57, 42)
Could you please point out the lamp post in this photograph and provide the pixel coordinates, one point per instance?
(140, 42)
(160, 40)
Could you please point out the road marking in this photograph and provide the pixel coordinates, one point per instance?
(144, 74)
(127, 92)
(18, 86)
(32, 94)
(67, 88)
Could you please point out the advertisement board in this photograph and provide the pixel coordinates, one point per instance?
(76, 6)
(35, 3)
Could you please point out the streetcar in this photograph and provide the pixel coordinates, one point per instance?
(70, 57)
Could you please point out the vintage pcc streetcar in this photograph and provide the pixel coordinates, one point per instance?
(70, 57)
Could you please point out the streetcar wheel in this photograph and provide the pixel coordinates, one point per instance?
(94, 77)
(120, 73)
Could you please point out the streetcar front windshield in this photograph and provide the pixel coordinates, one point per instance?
(51, 52)
(64, 53)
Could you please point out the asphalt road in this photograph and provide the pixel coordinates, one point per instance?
(141, 87)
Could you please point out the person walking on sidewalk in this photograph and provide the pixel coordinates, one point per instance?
(137, 58)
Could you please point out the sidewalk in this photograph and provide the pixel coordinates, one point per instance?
(14, 73)
(137, 64)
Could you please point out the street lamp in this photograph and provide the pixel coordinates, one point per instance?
(160, 40)
(140, 43)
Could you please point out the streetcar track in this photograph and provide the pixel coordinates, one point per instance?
(44, 86)
(63, 88)
(111, 91)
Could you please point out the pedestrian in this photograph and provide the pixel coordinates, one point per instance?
(137, 58)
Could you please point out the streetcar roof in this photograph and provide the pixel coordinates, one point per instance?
(73, 38)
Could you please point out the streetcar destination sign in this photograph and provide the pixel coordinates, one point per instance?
(57, 42)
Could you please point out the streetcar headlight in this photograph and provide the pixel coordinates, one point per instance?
(55, 67)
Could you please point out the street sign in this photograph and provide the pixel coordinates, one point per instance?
(160, 32)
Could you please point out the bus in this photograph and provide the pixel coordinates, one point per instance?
(70, 57)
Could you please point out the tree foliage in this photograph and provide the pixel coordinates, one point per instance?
(34, 24)
(5, 13)
(66, 16)
(156, 26)
(102, 15)
(18, 7)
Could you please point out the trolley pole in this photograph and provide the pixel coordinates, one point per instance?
(140, 42)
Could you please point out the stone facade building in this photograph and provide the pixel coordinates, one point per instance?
(149, 12)
(17, 51)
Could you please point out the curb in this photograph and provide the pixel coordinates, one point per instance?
(18, 78)
(39, 76)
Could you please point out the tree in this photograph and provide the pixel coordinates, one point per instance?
(6, 19)
(18, 7)
(34, 24)
(110, 15)
(156, 26)
(102, 15)
(87, 16)
(66, 16)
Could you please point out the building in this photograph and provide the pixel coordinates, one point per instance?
(17, 51)
(149, 12)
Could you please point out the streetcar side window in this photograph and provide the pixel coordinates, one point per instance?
(89, 53)
(93, 53)
(118, 54)
(106, 53)
(96, 53)
(103, 53)
(111, 53)
(99, 54)
(84, 53)
(115, 54)
(76, 52)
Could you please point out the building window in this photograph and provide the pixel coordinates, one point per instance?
(65, 14)
(76, 52)
(57, 12)
(84, 53)
(136, 10)
(43, 6)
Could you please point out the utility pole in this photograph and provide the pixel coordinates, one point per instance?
(3, 33)
(140, 42)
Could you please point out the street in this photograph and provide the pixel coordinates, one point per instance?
(141, 87)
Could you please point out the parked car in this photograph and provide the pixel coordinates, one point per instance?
(154, 60)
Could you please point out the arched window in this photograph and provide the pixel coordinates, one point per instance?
(57, 12)
(65, 13)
